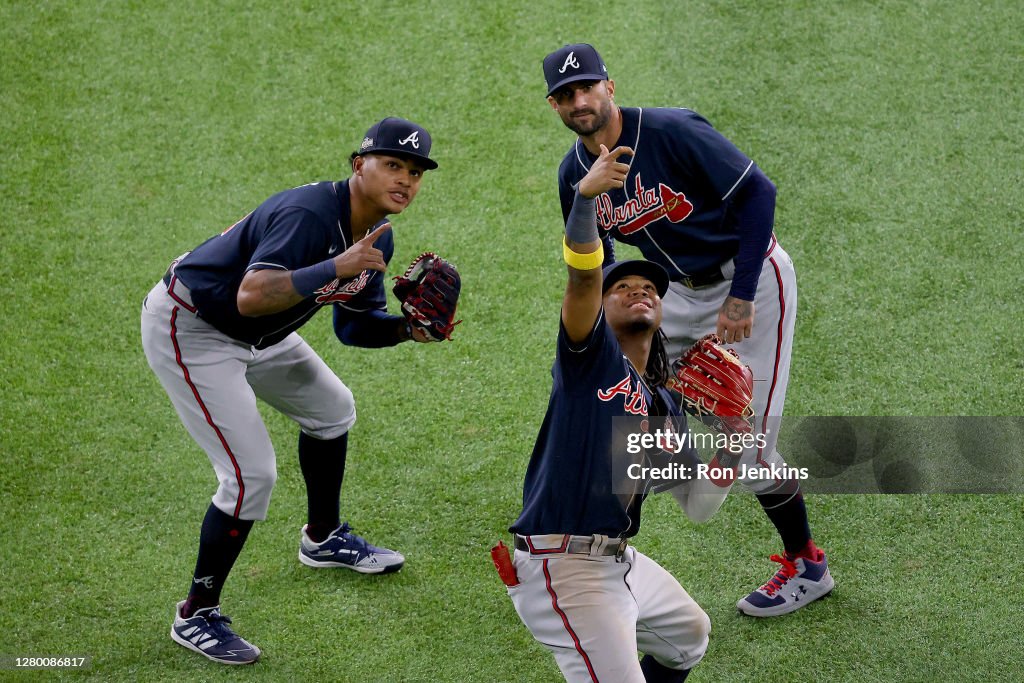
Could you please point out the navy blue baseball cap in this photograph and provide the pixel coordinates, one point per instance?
(652, 271)
(398, 136)
(579, 62)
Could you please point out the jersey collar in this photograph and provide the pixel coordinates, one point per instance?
(341, 191)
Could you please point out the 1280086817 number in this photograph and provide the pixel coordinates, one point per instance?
(38, 662)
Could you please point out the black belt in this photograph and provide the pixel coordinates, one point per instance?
(575, 545)
(701, 280)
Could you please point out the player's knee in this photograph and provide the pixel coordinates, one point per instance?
(336, 421)
(704, 625)
(690, 653)
(685, 645)
(259, 484)
(248, 497)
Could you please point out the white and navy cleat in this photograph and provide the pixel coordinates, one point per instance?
(344, 549)
(207, 632)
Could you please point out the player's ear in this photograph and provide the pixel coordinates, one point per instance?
(357, 164)
(551, 101)
(610, 85)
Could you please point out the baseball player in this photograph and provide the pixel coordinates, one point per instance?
(581, 589)
(219, 331)
(696, 205)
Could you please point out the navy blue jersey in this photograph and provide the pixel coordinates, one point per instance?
(675, 203)
(291, 230)
(569, 487)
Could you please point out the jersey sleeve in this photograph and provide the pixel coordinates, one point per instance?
(576, 361)
(706, 154)
(368, 329)
(294, 239)
(753, 209)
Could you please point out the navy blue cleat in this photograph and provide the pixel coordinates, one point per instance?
(798, 583)
(207, 632)
(344, 549)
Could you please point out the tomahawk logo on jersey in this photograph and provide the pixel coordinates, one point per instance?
(646, 206)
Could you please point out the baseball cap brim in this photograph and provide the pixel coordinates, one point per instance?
(577, 77)
(426, 162)
(646, 269)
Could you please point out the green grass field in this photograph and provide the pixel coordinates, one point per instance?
(131, 131)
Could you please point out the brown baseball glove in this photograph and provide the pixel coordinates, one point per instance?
(715, 385)
(429, 292)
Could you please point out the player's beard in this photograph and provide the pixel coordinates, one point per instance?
(601, 117)
(640, 326)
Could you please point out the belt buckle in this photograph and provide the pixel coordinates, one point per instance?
(599, 545)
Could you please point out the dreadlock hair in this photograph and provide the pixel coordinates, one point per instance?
(657, 371)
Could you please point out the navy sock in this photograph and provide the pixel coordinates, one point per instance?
(220, 542)
(658, 673)
(789, 515)
(323, 468)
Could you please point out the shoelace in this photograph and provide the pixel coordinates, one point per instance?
(357, 542)
(787, 572)
(219, 624)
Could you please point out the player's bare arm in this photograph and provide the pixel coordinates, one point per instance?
(264, 292)
(735, 320)
(582, 302)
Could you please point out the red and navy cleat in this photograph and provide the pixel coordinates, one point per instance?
(798, 583)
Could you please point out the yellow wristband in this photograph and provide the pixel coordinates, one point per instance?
(582, 261)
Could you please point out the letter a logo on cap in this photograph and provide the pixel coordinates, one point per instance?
(569, 61)
(414, 139)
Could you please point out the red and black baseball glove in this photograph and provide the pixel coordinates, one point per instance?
(429, 292)
(716, 386)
